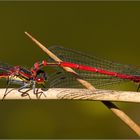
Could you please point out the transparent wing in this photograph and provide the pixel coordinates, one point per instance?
(5, 69)
(64, 79)
(73, 56)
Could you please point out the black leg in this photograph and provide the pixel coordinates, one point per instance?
(43, 92)
(25, 92)
(7, 86)
(36, 92)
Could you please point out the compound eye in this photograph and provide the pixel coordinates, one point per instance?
(39, 80)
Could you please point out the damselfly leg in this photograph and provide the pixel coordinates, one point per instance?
(7, 86)
(25, 93)
(37, 92)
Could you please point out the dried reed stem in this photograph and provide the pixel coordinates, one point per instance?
(76, 94)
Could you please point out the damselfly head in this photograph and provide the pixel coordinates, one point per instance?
(41, 77)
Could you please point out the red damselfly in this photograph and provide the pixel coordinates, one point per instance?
(22, 76)
(100, 72)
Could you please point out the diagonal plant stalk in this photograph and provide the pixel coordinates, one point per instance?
(118, 112)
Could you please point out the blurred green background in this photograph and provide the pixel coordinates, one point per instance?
(108, 29)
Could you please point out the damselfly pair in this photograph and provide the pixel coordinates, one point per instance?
(96, 70)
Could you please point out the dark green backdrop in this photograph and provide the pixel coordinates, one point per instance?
(108, 29)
